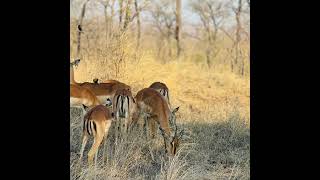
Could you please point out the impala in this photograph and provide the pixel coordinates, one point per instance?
(74, 63)
(153, 105)
(80, 96)
(162, 89)
(97, 122)
(123, 108)
(103, 91)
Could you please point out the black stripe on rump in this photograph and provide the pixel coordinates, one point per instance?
(88, 127)
(94, 126)
(128, 103)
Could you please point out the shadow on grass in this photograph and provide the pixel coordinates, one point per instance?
(214, 150)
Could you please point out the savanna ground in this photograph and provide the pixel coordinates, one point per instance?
(214, 103)
(214, 107)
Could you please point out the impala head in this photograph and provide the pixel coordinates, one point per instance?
(172, 141)
(109, 103)
(75, 62)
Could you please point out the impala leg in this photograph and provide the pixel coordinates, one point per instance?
(83, 145)
(108, 125)
(126, 128)
(95, 158)
(145, 131)
(120, 130)
(104, 148)
(152, 127)
(94, 149)
(116, 132)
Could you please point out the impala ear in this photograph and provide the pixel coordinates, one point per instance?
(85, 107)
(76, 62)
(175, 110)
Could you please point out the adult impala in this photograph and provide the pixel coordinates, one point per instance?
(162, 89)
(152, 104)
(104, 91)
(123, 108)
(80, 96)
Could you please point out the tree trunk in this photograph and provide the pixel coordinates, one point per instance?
(111, 20)
(238, 37)
(208, 54)
(128, 15)
(138, 23)
(79, 28)
(107, 24)
(178, 26)
(120, 13)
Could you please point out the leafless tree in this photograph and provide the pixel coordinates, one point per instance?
(136, 6)
(128, 14)
(178, 26)
(80, 28)
(106, 5)
(120, 12)
(211, 15)
(163, 16)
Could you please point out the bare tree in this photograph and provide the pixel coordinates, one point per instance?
(111, 18)
(138, 23)
(105, 4)
(128, 14)
(120, 12)
(178, 26)
(237, 11)
(211, 16)
(163, 15)
(80, 28)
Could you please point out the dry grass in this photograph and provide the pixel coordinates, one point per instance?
(214, 107)
(216, 150)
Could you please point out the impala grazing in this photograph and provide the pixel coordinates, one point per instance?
(151, 104)
(96, 123)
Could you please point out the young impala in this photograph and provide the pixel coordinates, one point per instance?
(96, 123)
